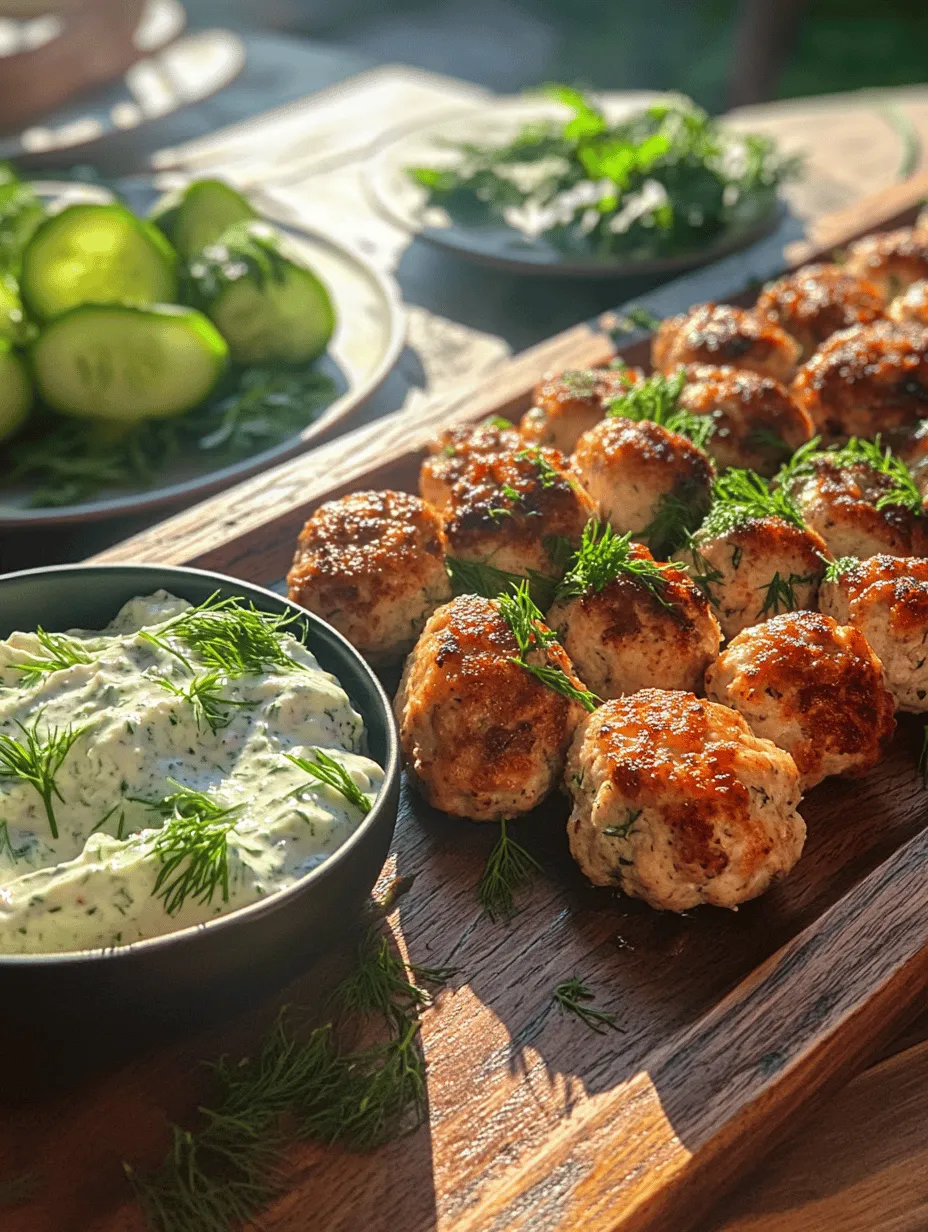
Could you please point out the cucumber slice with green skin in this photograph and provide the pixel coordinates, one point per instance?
(268, 308)
(124, 364)
(15, 391)
(199, 214)
(96, 254)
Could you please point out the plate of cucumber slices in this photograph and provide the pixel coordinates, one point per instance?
(156, 347)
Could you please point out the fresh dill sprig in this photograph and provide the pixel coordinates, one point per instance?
(6, 844)
(740, 496)
(193, 847)
(635, 319)
(571, 995)
(704, 575)
(380, 984)
(475, 577)
(836, 569)
(658, 399)
(37, 759)
(229, 636)
(902, 491)
(678, 513)
(61, 652)
(509, 869)
(546, 472)
(327, 770)
(765, 440)
(780, 593)
(526, 623)
(602, 557)
(622, 829)
(204, 694)
(500, 422)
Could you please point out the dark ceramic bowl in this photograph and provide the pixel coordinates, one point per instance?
(193, 974)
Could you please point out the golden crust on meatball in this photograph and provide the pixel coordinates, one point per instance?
(892, 259)
(631, 468)
(757, 423)
(756, 569)
(450, 453)
(886, 598)
(513, 509)
(677, 802)
(631, 635)
(567, 405)
(483, 738)
(866, 380)
(723, 336)
(839, 500)
(372, 564)
(813, 687)
(818, 300)
(911, 305)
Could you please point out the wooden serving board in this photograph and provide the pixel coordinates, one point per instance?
(731, 1022)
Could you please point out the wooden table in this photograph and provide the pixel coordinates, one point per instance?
(860, 1164)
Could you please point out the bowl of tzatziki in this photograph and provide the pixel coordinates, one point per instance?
(198, 789)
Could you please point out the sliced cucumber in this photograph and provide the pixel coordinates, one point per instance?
(124, 364)
(267, 307)
(15, 390)
(96, 254)
(199, 214)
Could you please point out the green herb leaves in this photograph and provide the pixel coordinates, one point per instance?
(193, 848)
(474, 577)
(572, 995)
(602, 557)
(740, 496)
(780, 593)
(901, 490)
(331, 772)
(228, 636)
(36, 759)
(657, 399)
(526, 623)
(836, 569)
(60, 652)
(509, 869)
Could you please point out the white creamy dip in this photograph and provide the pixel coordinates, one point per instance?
(95, 884)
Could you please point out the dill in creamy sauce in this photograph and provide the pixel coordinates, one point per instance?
(152, 774)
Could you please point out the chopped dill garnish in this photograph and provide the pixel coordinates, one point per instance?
(525, 621)
(204, 694)
(740, 496)
(6, 844)
(61, 652)
(571, 995)
(37, 759)
(677, 515)
(836, 569)
(500, 422)
(121, 824)
(902, 490)
(327, 770)
(764, 440)
(559, 550)
(704, 575)
(635, 319)
(658, 399)
(780, 594)
(229, 636)
(475, 577)
(602, 557)
(509, 869)
(193, 847)
(546, 472)
(623, 828)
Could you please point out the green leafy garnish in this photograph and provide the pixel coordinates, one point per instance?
(622, 829)
(204, 694)
(902, 490)
(836, 569)
(739, 496)
(677, 515)
(6, 844)
(779, 593)
(571, 996)
(61, 652)
(704, 574)
(509, 869)
(526, 623)
(500, 422)
(327, 770)
(36, 759)
(764, 440)
(229, 636)
(475, 577)
(633, 320)
(602, 557)
(546, 472)
(657, 399)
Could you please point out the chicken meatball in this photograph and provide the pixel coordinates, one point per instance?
(482, 737)
(839, 495)
(723, 336)
(372, 564)
(677, 802)
(886, 598)
(893, 259)
(813, 687)
(866, 380)
(817, 301)
(567, 405)
(911, 305)
(757, 424)
(755, 568)
(517, 512)
(450, 453)
(645, 479)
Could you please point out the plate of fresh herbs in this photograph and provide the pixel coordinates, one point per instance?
(558, 182)
(205, 344)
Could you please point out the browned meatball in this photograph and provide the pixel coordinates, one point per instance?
(483, 738)
(817, 301)
(866, 380)
(757, 424)
(450, 453)
(638, 472)
(893, 260)
(911, 305)
(729, 337)
(565, 406)
(517, 511)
